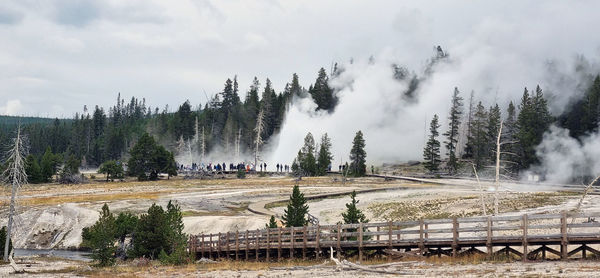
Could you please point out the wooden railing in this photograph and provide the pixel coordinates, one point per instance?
(426, 237)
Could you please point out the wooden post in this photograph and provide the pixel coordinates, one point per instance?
(219, 247)
(279, 242)
(339, 247)
(360, 242)
(390, 237)
(563, 232)
(292, 239)
(247, 245)
(454, 237)
(257, 243)
(378, 233)
(202, 247)
(583, 249)
(525, 224)
(544, 252)
(421, 244)
(268, 243)
(237, 245)
(210, 242)
(190, 244)
(304, 243)
(488, 243)
(426, 230)
(318, 243)
(227, 246)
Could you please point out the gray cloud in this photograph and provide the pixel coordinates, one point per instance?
(171, 51)
(76, 13)
(9, 16)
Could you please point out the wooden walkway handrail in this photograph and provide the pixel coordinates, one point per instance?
(454, 233)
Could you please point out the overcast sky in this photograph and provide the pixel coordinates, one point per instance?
(58, 55)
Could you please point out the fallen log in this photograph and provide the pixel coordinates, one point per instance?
(398, 254)
(14, 264)
(325, 264)
(346, 264)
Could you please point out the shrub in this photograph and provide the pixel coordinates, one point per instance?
(241, 174)
(101, 238)
(161, 231)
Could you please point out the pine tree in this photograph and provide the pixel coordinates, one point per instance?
(510, 135)
(112, 169)
(353, 215)
(325, 157)
(148, 159)
(272, 223)
(534, 119)
(125, 225)
(306, 163)
(151, 233)
(322, 94)
(454, 119)
(295, 88)
(49, 165)
(591, 107)
(177, 240)
(468, 150)
(184, 121)
(32, 168)
(431, 153)
(358, 156)
(478, 141)
(295, 213)
(493, 126)
(101, 237)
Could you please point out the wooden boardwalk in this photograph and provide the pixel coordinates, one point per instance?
(531, 237)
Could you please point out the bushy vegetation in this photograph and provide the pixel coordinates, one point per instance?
(148, 159)
(295, 213)
(101, 238)
(272, 223)
(358, 156)
(313, 162)
(157, 234)
(112, 169)
(3, 240)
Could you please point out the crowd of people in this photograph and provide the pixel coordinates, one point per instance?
(210, 167)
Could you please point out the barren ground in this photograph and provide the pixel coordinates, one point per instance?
(52, 216)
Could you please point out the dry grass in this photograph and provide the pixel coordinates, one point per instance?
(465, 206)
(90, 198)
(232, 211)
(128, 269)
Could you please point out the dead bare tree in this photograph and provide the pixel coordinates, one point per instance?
(481, 192)
(259, 129)
(203, 145)
(498, 166)
(196, 133)
(497, 180)
(238, 140)
(585, 192)
(15, 175)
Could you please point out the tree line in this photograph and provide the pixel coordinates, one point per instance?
(316, 159)
(225, 122)
(523, 127)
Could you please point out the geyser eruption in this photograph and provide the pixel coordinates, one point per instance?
(372, 98)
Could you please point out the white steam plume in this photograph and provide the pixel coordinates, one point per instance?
(564, 159)
(371, 100)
